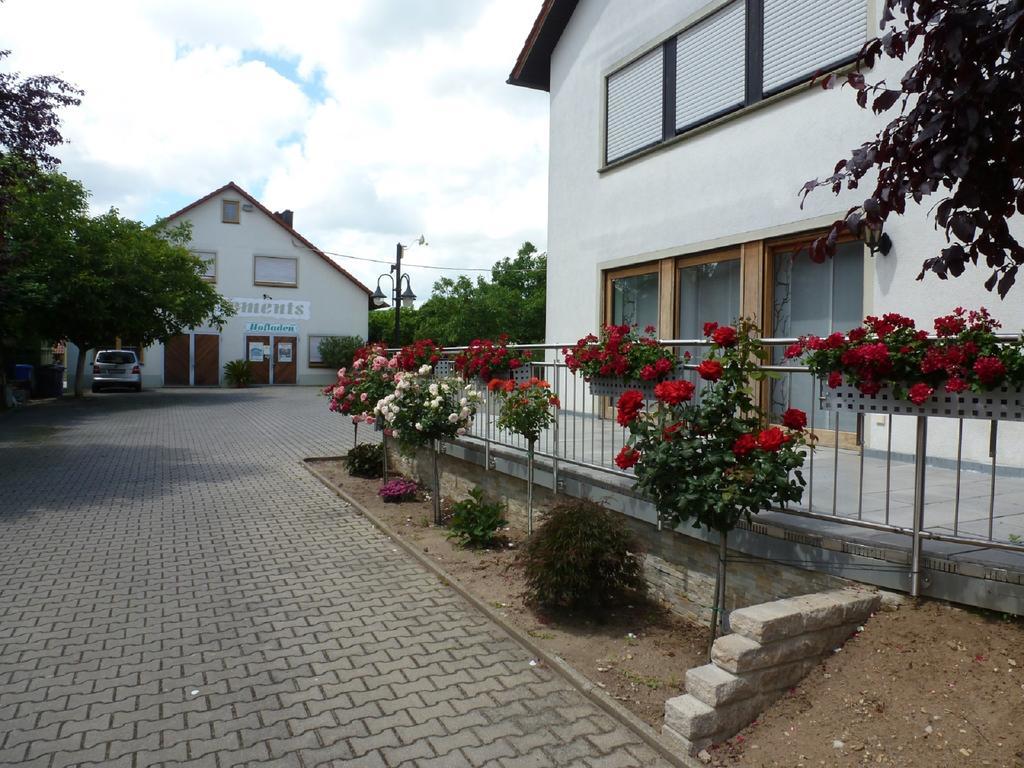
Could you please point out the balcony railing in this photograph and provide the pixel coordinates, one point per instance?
(947, 480)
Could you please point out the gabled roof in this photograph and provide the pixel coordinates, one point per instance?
(533, 67)
(277, 220)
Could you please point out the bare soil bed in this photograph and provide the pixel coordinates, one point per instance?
(929, 686)
(638, 654)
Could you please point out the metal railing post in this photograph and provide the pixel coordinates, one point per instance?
(920, 461)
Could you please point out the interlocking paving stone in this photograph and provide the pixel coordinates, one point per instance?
(176, 588)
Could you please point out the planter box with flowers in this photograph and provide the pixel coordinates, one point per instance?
(485, 360)
(887, 365)
(621, 359)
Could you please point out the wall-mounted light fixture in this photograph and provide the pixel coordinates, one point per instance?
(875, 239)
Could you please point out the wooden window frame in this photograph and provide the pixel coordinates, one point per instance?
(611, 275)
(273, 284)
(224, 214)
(734, 253)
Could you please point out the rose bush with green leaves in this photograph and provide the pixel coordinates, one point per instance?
(421, 409)
(714, 460)
(527, 408)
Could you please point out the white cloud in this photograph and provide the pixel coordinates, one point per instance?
(374, 120)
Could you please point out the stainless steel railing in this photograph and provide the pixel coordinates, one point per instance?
(875, 472)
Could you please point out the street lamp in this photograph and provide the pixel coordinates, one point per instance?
(400, 298)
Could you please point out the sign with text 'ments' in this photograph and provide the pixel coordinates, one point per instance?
(273, 309)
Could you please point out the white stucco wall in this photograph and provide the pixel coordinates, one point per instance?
(734, 182)
(337, 305)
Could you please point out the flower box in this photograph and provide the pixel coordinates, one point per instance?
(613, 386)
(1002, 403)
(444, 369)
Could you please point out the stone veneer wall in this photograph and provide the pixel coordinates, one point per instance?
(773, 646)
(680, 570)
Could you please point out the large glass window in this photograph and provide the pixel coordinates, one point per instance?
(635, 300)
(810, 298)
(708, 292)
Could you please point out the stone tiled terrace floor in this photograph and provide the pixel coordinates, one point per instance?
(175, 588)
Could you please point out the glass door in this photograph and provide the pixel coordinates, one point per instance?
(708, 291)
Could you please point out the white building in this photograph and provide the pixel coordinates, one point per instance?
(681, 134)
(287, 294)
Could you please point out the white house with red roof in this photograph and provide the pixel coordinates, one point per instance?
(287, 294)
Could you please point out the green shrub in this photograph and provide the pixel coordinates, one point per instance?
(475, 520)
(337, 351)
(582, 557)
(238, 373)
(365, 460)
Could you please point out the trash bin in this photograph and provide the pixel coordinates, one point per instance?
(23, 372)
(50, 381)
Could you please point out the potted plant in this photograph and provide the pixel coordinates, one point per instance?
(714, 461)
(412, 356)
(526, 409)
(238, 373)
(485, 360)
(888, 365)
(621, 358)
(422, 410)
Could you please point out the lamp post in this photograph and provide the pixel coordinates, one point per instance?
(401, 298)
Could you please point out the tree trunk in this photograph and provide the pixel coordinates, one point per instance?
(79, 369)
(718, 610)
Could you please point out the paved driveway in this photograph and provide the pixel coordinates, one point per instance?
(176, 589)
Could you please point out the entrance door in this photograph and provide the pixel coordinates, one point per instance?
(177, 361)
(255, 353)
(207, 363)
(285, 349)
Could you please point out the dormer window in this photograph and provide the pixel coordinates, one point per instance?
(230, 211)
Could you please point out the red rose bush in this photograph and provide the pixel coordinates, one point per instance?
(712, 461)
(890, 351)
(527, 408)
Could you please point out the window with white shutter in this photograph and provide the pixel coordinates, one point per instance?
(804, 36)
(711, 66)
(635, 106)
(276, 270)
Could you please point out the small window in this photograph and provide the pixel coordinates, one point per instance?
(634, 106)
(276, 270)
(210, 260)
(229, 211)
(315, 358)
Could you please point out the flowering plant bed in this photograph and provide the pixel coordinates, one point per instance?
(398, 490)
(422, 409)
(526, 408)
(486, 360)
(1003, 403)
(619, 357)
(889, 359)
(714, 461)
(412, 356)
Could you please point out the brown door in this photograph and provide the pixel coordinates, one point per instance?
(257, 358)
(207, 366)
(285, 350)
(177, 361)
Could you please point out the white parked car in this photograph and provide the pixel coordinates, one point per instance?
(116, 368)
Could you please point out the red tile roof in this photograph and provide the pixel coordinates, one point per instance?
(533, 66)
(241, 192)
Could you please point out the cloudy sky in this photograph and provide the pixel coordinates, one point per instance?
(374, 120)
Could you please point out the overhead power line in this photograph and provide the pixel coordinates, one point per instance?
(418, 266)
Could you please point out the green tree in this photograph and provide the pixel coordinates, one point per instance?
(89, 279)
(382, 325)
(512, 302)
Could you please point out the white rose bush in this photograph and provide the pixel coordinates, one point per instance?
(424, 409)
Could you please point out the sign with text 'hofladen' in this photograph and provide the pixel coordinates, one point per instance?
(273, 309)
(271, 328)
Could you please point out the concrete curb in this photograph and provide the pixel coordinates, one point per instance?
(560, 666)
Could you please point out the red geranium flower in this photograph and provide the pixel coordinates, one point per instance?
(919, 393)
(629, 405)
(955, 384)
(709, 328)
(744, 444)
(794, 418)
(627, 457)
(794, 350)
(674, 392)
(771, 439)
(835, 379)
(710, 370)
(724, 336)
(989, 370)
